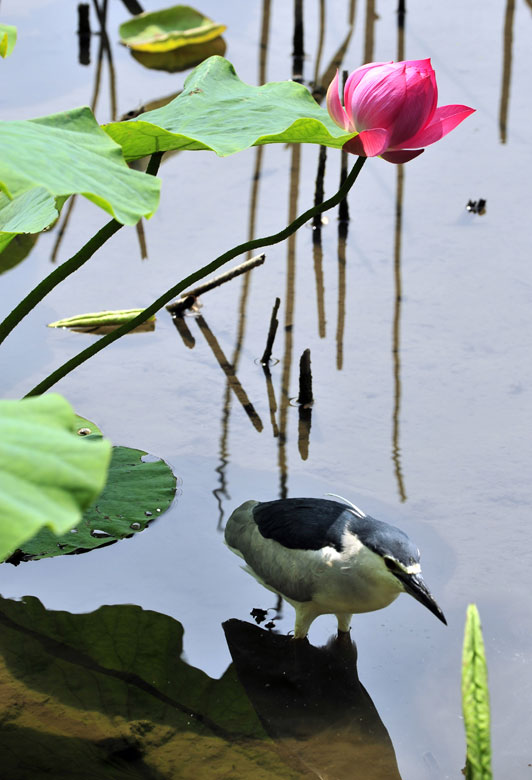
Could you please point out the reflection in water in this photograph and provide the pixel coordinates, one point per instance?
(108, 695)
(396, 451)
(396, 331)
(305, 401)
(337, 59)
(266, 360)
(104, 47)
(298, 55)
(506, 68)
(184, 331)
(84, 34)
(229, 370)
(321, 37)
(369, 31)
(289, 298)
(246, 282)
(340, 322)
(343, 227)
(317, 250)
(311, 702)
(101, 13)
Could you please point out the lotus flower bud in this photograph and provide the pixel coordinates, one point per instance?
(392, 107)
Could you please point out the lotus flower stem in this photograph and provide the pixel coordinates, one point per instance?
(39, 292)
(177, 289)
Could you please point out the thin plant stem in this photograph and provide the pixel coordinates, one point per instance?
(51, 281)
(201, 273)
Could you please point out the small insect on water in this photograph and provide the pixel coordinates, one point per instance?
(476, 206)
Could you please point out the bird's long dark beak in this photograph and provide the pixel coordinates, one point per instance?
(415, 586)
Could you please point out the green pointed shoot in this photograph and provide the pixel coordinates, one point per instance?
(47, 159)
(49, 474)
(8, 38)
(475, 700)
(218, 112)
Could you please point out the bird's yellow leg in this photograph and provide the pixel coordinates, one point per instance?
(344, 621)
(305, 615)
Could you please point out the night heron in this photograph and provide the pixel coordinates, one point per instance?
(325, 557)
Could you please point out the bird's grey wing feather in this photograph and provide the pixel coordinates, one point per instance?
(303, 523)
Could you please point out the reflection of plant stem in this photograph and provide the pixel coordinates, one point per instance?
(201, 273)
(289, 300)
(299, 52)
(342, 268)
(68, 267)
(396, 451)
(246, 285)
(506, 68)
(321, 37)
(229, 371)
(104, 46)
(101, 13)
(369, 33)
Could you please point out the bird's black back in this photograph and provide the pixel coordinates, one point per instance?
(313, 523)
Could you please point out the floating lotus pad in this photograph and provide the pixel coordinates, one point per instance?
(136, 493)
(169, 29)
(95, 319)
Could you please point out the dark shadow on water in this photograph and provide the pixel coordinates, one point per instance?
(108, 694)
(311, 702)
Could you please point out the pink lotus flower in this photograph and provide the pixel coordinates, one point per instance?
(392, 107)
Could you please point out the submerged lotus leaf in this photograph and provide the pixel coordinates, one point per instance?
(8, 38)
(171, 28)
(45, 160)
(217, 111)
(136, 493)
(48, 473)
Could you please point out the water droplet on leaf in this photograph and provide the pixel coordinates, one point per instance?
(97, 534)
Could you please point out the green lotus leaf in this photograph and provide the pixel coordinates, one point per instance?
(8, 38)
(48, 473)
(45, 160)
(218, 112)
(168, 29)
(136, 493)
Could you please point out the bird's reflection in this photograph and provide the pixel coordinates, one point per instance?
(312, 703)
